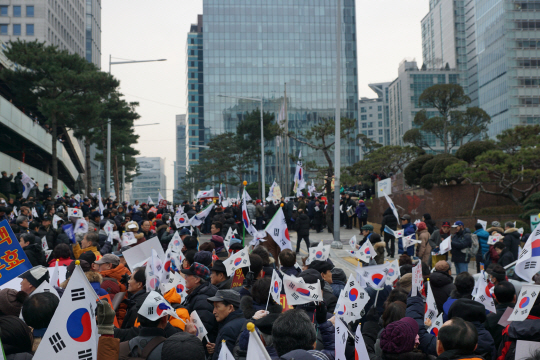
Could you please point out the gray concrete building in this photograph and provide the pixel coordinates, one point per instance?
(151, 180)
(374, 119)
(181, 156)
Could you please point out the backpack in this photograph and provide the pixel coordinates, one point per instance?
(146, 351)
(475, 246)
(363, 213)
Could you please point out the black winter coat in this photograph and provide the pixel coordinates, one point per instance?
(5, 185)
(461, 240)
(511, 240)
(271, 210)
(442, 285)
(35, 254)
(506, 258)
(196, 300)
(318, 215)
(389, 219)
(302, 225)
(229, 329)
(134, 302)
(492, 323)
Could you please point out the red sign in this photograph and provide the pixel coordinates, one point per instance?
(238, 279)
(284, 304)
(162, 204)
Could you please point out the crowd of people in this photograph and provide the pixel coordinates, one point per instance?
(392, 322)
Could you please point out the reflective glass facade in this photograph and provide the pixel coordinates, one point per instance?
(252, 48)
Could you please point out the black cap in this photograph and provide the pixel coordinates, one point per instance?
(36, 275)
(218, 266)
(311, 276)
(95, 214)
(231, 296)
(468, 310)
(320, 266)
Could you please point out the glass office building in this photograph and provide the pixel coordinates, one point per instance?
(252, 48)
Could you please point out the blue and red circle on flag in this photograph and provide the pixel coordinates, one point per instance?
(79, 325)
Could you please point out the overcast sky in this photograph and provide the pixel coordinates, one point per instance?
(387, 32)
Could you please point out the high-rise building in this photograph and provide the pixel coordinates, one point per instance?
(374, 115)
(403, 94)
(444, 37)
(472, 60)
(60, 23)
(195, 93)
(151, 180)
(508, 48)
(252, 49)
(92, 32)
(180, 163)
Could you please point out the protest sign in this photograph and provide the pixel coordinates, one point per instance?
(13, 260)
(143, 251)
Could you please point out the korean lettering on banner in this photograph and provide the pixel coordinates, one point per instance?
(238, 279)
(284, 304)
(13, 260)
(162, 204)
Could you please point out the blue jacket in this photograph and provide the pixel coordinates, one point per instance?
(97, 288)
(461, 240)
(228, 330)
(362, 209)
(410, 229)
(483, 236)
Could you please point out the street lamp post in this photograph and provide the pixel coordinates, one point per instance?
(108, 167)
(262, 139)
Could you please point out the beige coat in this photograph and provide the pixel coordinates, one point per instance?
(424, 249)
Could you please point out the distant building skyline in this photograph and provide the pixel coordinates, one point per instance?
(150, 181)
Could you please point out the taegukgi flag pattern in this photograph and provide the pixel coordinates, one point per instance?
(525, 302)
(237, 261)
(277, 229)
(298, 293)
(528, 263)
(374, 276)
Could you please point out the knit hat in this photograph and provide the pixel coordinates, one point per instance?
(198, 270)
(367, 227)
(421, 226)
(406, 282)
(399, 336)
(442, 266)
(203, 257)
(468, 310)
(11, 301)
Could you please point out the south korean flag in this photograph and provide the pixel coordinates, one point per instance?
(374, 276)
(275, 287)
(484, 296)
(199, 326)
(356, 296)
(237, 261)
(72, 212)
(525, 302)
(298, 292)
(366, 252)
(72, 333)
(320, 252)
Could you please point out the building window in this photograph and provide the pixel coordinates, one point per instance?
(363, 109)
(193, 133)
(16, 29)
(364, 125)
(380, 132)
(380, 123)
(30, 11)
(16, 11)
(370, 132)
(3, 29)
(3, 10)
(370, 107)
(193, 156)
(363, 117)
(370, 115)
(379, 108)
(380, 140)
(380, 116)
(370, 124)
(29, 29)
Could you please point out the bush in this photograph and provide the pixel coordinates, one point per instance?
(470, 151)
(413, 171)
(433, 170)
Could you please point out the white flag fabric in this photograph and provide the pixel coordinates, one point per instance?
(409, 241)
(245, 218)
(44, 287)
(271, 191)
(417, 279)
(319, 252)
(44, 244)
(492, 239)
(55, 221)
(255, 349)
(431, 305)
(277, 229)
(341, 339)
(81, 226)
(393, 272)
(366, 252)
(55, 277)
(205, 194)
(311, 188)
(108, 228)
(181, 220)
(445, 246)
(360, 351)
(175, 281)
(528, 263)
(128, 238)
(155, 307)
(154, 270)
(374, 276)
(199, 326)
(397, 233)
(176, 244)
(483, 295)
(343, 307)
(34, 213)
(159, 197)
(391, 204)
(199, 218)
(225, 353)
(28, 184)
(298, 292)
(525, 302)
(352, 243)
(275, 287)
(72, 212)
(299, 180)
(483, 223)
(72, 333)
(149, 200)
(237, 261)
(356, 298)
(100, 203)
(436, 325)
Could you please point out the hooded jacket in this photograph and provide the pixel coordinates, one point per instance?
(339, 279)
(362, 211)
(442, 285)
(483, 237)
(302, 225)
(35, 254)
(461, 240)
(506, 258)
(95, 280)
(424, 249)
(410, 229)
(511, 240)
(528, 329)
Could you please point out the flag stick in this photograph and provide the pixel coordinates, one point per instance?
(376, 297)
(346, 327)
(268, 300)
(206, 337)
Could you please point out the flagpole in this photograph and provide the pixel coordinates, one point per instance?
(267, 301)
